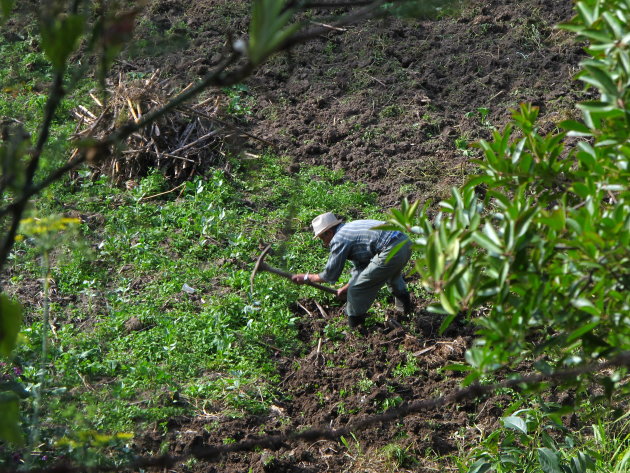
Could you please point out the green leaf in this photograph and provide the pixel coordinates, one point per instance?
(600, 79)
(575, 128)
(447, 322)
(5, 8)
(595, 106)
(582, 330)
(268, 28)
(585, 305)
(480, 466)
(548, 460)
(456, 367)
(450, 307)
(486, 243)
(555, 220)
(435, 257)
(10, 321)
(515, 423)
(59, 39)
(10, 418)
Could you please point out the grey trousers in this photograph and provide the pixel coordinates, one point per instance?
(365, 284)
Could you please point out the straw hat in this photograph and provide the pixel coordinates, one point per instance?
(323, 222)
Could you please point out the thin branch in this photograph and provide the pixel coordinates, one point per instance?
(275, 442)
(54, 99)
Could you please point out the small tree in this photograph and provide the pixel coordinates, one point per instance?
(537, 246)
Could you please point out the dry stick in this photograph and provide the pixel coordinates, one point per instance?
(424, 350)
(162, 193)
(192, 143)
(330, 27)
(177, 157)
(226, 124)
(305, 309)
(321, 310)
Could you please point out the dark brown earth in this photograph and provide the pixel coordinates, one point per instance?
(385, 101)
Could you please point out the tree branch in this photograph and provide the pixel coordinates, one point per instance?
(275, 442)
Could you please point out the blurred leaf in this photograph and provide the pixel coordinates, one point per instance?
(585, 305)
(60, 37)
(10, 321)
(575, 128)
(10, 418)
(268, 28)
(480, 466)
(5, 8)
(447, 322)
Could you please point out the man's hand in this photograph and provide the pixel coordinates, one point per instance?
(342, 292)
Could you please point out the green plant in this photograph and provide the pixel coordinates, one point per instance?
(399, 456)
(239, 103)
(407, 369)
(482, 115)
(391, 402)
(391, 111)
(537, 247)
(532, 436)
(560, 257)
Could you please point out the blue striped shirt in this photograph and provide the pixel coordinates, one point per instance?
(357, 242)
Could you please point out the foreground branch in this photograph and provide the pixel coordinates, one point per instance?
(275, 442)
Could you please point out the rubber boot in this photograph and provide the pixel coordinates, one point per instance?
(356, 321)
(403, 303)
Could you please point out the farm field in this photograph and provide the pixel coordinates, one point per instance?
(162, 353)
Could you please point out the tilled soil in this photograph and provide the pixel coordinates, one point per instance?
(390, 101)
(337, 383)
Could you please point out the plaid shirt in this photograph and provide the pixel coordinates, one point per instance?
(357, 242)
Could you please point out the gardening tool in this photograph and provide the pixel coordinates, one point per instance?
(262, 266)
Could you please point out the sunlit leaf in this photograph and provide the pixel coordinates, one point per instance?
(515, 423)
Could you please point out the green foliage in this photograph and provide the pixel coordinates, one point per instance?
(407, 369)
(5, 9)
(60, 36)
(557, 260)
(269, 28)
(142, 256)
(536, 437)
(10, 322)
(239, 104)
(421, 9)
(399, 456)
(537, 249)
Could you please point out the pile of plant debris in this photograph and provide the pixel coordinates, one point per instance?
(182, 143)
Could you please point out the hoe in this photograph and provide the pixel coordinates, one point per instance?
(262, 266)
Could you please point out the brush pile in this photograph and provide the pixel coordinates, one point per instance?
(180, 144)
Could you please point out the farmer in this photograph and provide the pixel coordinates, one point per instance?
(368, 250)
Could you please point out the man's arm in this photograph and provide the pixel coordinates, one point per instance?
(303, 278)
